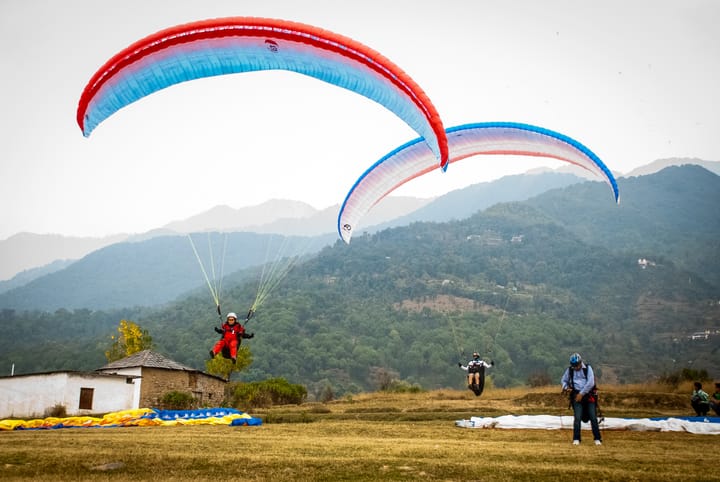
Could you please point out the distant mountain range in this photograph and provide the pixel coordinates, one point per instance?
(660, 164)
(156, 267)
(25, 277)
(25, 251)
(22, 254)
(25, 257)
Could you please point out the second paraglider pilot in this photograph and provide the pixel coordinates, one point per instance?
(476, 373)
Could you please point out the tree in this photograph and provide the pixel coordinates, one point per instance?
(132, 339)
(382, 377)
(223, 367)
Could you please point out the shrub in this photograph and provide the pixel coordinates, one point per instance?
(175, 400)
(58, 410)
(275, 391)
(401, 386)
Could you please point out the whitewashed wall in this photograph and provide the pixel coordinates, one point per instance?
(31, 396)
(131, 372)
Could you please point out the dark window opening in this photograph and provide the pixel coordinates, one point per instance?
(86, 398)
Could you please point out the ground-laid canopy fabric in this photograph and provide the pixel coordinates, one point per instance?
(139, 417)
(697, 425)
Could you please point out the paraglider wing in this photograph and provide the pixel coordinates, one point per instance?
(415, 159)
(246, 44)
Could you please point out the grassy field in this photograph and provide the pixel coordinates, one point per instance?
(375, 437)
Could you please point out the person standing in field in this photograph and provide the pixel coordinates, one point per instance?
(579, 382)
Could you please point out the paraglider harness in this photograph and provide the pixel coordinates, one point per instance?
(226, 349)
(477, 388)
(476, 368)
(589, 397)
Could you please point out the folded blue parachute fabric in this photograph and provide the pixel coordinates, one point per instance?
(217, 416)
(246, 422)
(236, 417)
(200, 413)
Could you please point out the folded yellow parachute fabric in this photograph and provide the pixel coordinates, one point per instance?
(126, 417)
(49, 422)
(140, 417)
(10, 424)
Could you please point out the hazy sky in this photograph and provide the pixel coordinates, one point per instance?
(634, 81)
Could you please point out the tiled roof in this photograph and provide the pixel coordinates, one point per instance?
(147, 359)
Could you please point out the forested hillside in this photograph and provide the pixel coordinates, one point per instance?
(523, 283)
(157, 267)
(668, 216)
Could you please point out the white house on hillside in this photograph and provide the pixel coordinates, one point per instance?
(138, 381)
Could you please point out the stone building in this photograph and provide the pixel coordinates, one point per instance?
(157, 375)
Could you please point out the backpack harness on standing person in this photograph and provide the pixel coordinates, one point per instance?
(590, 397)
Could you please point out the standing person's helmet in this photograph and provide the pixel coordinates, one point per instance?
(231, 315)
(575, 360)
(476, 355)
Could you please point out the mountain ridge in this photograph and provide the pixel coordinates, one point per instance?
(21, 253)
(390, 212)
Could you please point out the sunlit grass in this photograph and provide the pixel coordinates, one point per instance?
(367, 437)
(348, 450)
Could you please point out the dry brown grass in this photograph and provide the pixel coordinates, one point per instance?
(366, 437)
(616, 401)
